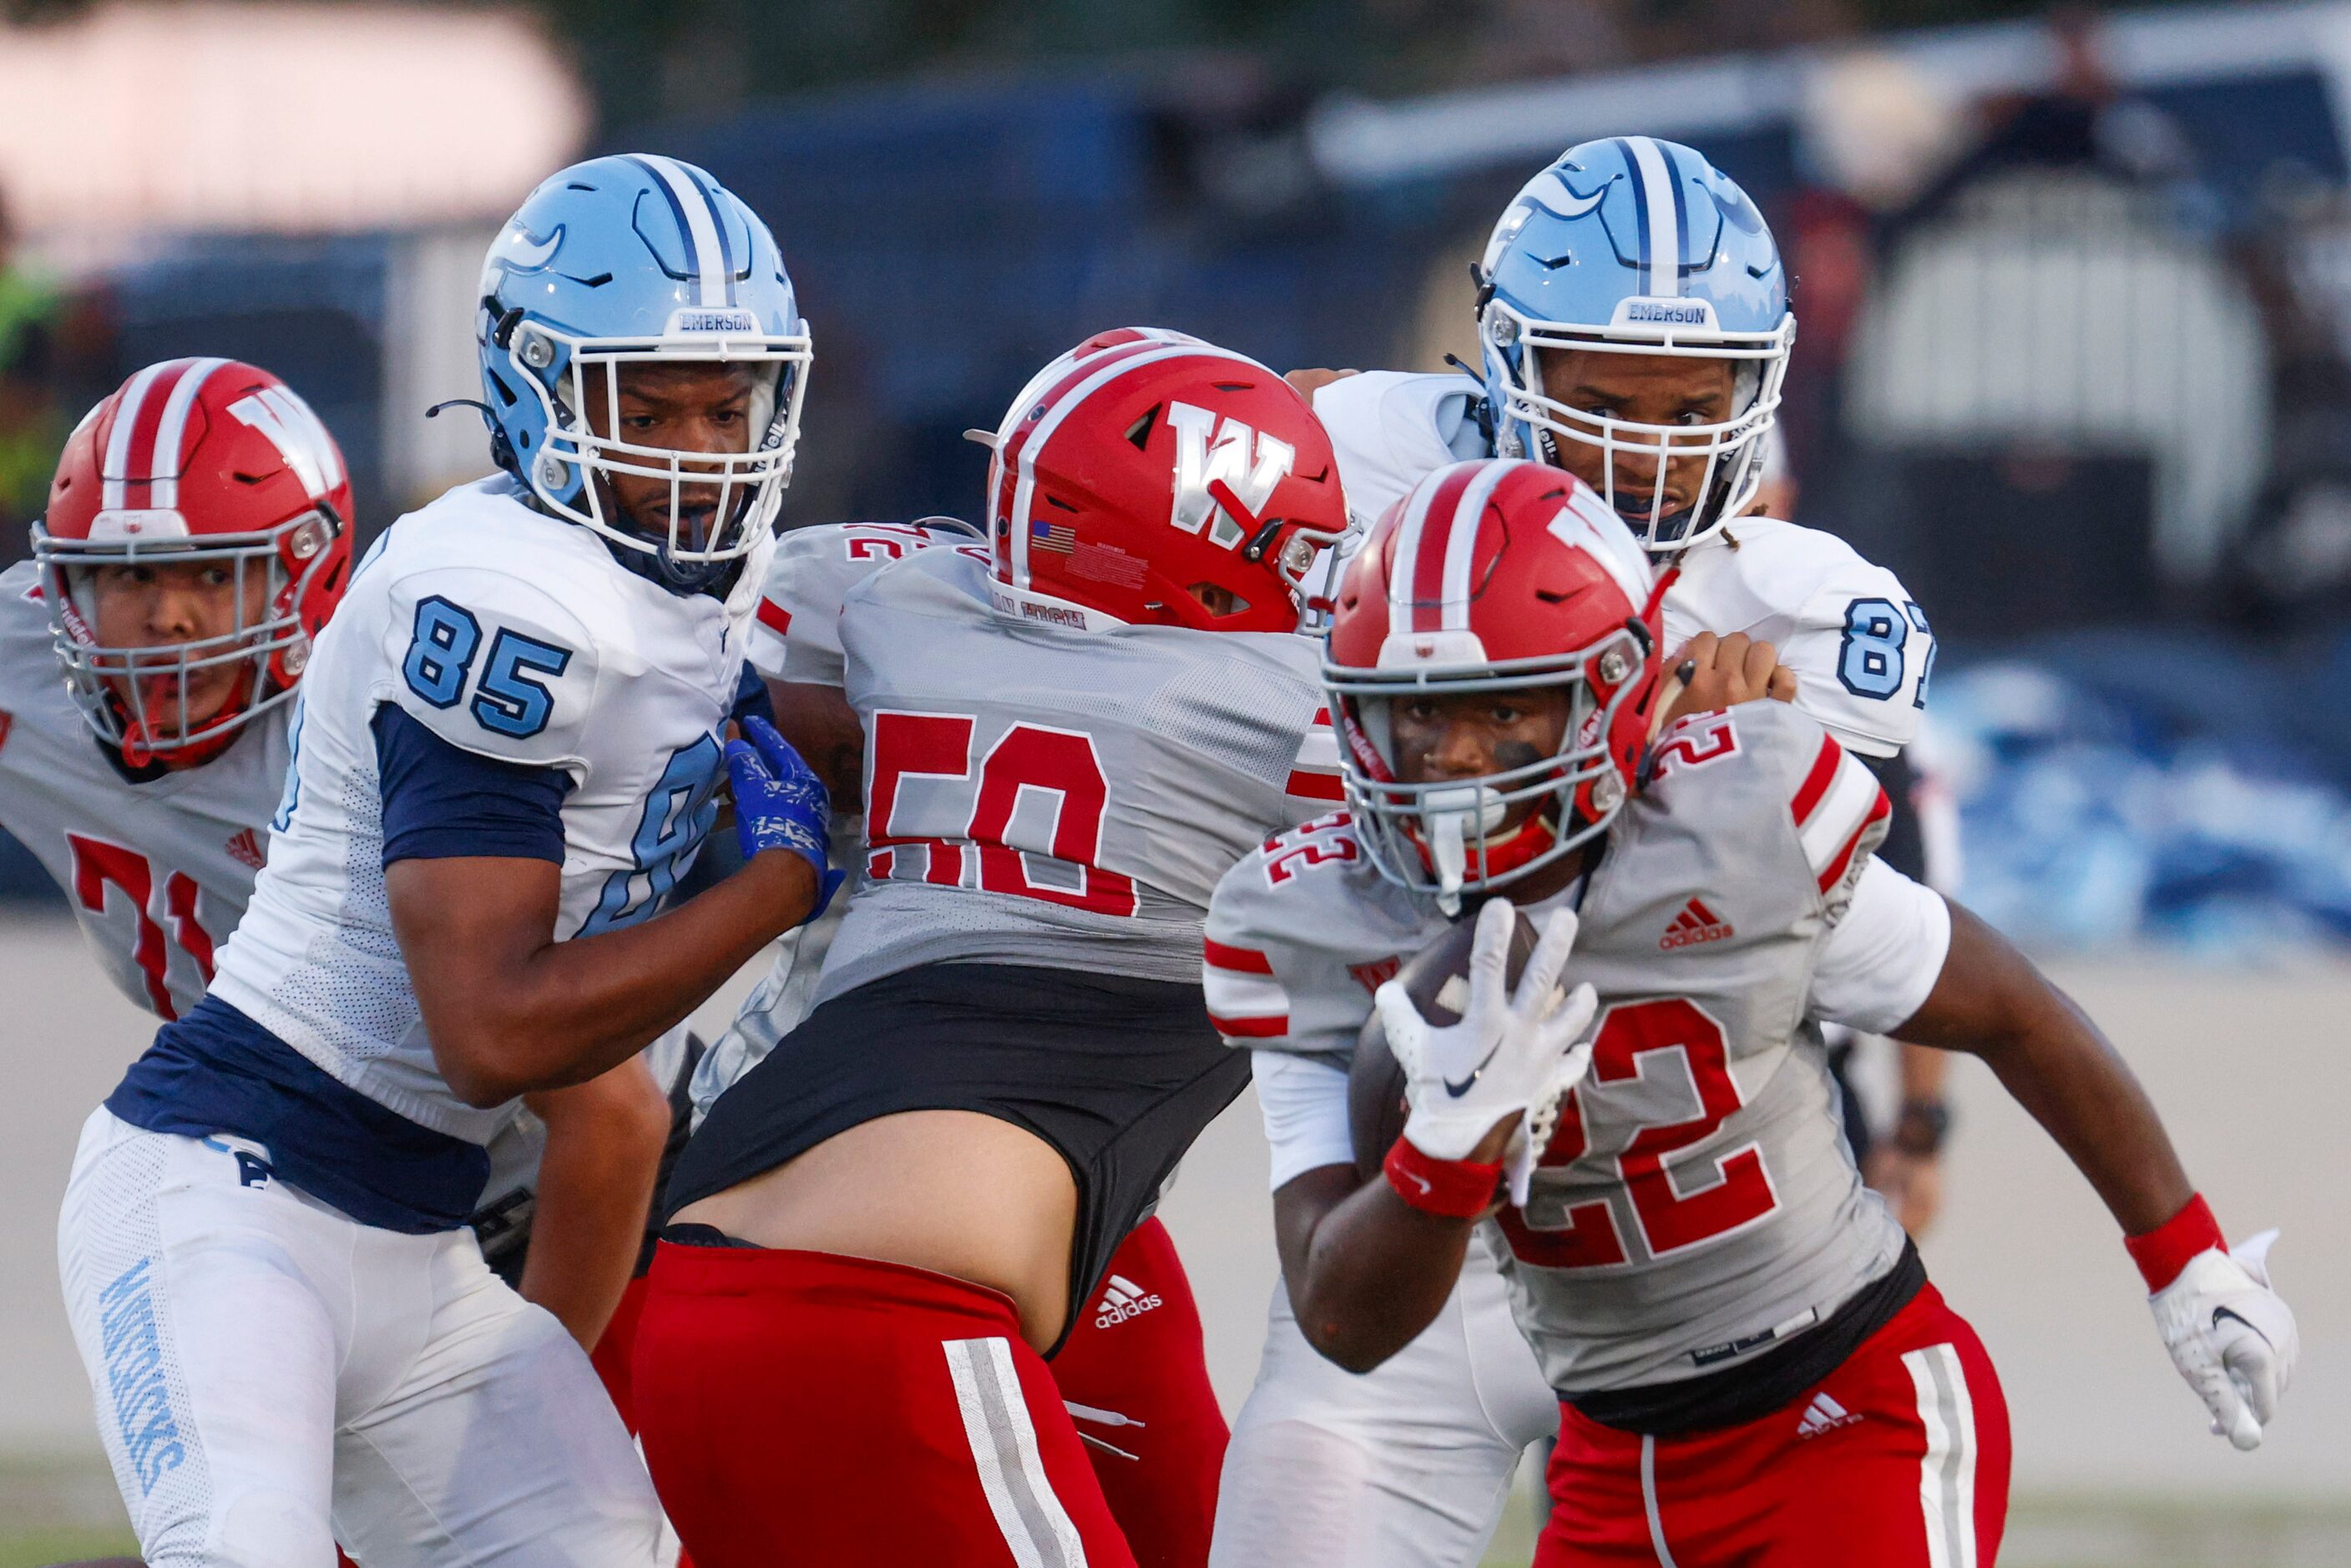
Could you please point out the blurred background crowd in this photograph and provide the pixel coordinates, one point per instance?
(2073, 293)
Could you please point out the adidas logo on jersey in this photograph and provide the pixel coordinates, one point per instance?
(1824, 1414)
(1122, 1299)
(1693, 924)
(245, 848)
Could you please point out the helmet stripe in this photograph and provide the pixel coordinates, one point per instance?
(1416, 572)
(1019, 435)
(1590, 523)
(1681, 213)
(695, 225)
(710, 192)
(1658, 200)
(1465, 526)
(1068, 401)
(1405, 559)
(163, 464)
(132, 403)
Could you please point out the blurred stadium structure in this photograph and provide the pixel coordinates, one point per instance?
(2075, 304)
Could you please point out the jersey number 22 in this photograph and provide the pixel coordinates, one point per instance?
(1673, 1212)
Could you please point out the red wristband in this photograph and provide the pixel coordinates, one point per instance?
(2165, 1251)
(1459, 1189)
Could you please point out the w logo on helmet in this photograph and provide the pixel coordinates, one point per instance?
(296, 434)
(1245, 463)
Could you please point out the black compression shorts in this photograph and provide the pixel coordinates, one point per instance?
(1119, 1075)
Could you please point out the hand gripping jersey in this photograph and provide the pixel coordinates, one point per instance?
(511, 634)
(1697, 1203)
(1057, 795)
(797, 638)
(1859, 645)
(157, 864)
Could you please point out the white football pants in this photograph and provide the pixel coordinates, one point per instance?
(1409, 1463)
(273, 1376)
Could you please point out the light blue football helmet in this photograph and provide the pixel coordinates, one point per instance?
(640, 260)
(1634, 246)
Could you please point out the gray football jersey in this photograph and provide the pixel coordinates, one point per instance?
(157, 872)
(1057, 795)
(799, 632)
(797, 638)
(1698, 1202)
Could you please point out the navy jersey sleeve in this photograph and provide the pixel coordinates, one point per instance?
(1905, 848)
(751, 699)
(441, 800)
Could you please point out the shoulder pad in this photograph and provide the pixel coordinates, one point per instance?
(1389, 428)
(1764, 765)
(25, 631)
(810, 580)
(1859, 645)
(1300, 931)
(489, 662)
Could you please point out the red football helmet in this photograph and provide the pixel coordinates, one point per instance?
(198, 461)
(1154, 479)
(1495, 575)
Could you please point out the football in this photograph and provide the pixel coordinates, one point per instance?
(1436, 978)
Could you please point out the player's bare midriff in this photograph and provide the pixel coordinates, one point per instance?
(956, 1192)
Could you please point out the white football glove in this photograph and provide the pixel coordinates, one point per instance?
(2231, 1336)
(1509, 1053)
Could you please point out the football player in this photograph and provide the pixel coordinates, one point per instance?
(197, 538)
(1068, 734)
(1133, 1372)
(504, 752)
(1751, 1362)
(1634, 314)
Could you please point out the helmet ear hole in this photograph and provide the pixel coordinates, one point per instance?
(1217, 600)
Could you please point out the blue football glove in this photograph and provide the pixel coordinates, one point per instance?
(779, 804)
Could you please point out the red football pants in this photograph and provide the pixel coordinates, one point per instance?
(800, 1407)
(1896, 1459)
(1134, 1374)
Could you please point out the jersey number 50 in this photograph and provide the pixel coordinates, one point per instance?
(979, 844)
(1642, 1040)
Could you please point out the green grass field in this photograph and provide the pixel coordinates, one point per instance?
(57, 1511)
(52, 1512)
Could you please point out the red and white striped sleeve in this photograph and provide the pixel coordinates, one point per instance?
(1314, 775)
(1841, 814)
(1246, 1001)
(771, 634)
(797, 634)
